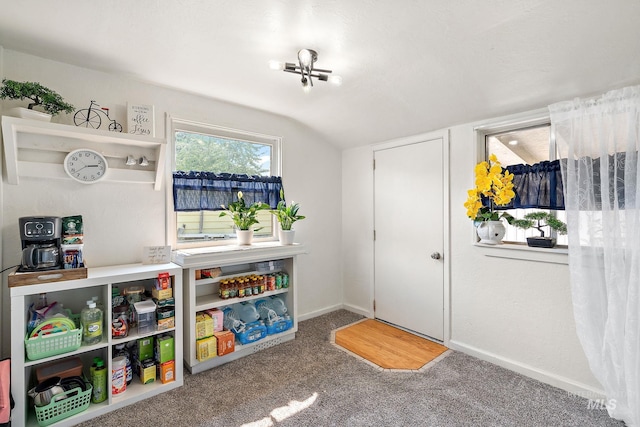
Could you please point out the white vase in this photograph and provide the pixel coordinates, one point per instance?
(491, 232)
(244, 236)
(286, 236)
(25, 113)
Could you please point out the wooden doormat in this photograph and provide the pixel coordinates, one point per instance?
(387, 347)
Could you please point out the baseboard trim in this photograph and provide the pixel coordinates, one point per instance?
(563, 383)
(317, 313)
(358, 310)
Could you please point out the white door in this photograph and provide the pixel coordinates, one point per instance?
(409, 237)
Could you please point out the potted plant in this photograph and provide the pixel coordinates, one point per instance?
(496, 186)
(538, 220)
(286, 216)
(244, 217)
(40, 96)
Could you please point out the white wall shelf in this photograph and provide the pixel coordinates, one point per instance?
(202, 294)
(37, 149)
(73, 293)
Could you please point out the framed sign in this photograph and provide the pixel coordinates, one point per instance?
(140, 119)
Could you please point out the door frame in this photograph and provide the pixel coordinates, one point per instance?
(446, 251)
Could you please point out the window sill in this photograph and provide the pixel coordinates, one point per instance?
(520, 251)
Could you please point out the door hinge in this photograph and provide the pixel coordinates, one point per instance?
(374, 235)
(374, 305)
(374, 164)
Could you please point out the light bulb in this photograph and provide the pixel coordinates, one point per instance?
(304, 56)
(513, 142)
(276, 65)
(336, 80)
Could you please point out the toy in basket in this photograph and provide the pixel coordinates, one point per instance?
(51, 337)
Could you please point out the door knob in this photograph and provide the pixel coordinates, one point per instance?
(435, 255)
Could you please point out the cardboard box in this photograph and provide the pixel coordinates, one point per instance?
(164, 349)
(204, 326)
(218, 318)
(165, 324)
(145, 348)
(167, 372)
(147, 371)
(161, 294)
(226, 342)
(206, 348)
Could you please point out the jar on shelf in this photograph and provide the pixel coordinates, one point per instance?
(120, 321)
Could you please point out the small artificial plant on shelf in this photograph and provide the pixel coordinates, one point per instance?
(50, 101)
(286, 215)
(539, 220)
(243, 216)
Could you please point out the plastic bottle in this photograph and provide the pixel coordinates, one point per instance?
(99, 382)
(278, 305)
(42, 301)
(91, 321)
(118, 375)
(122, 351)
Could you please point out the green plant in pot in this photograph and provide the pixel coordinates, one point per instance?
(286, 216)
(48, 100)
(539, 220)
(244, 217)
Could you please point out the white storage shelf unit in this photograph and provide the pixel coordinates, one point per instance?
(74, 294)
(202, 294)
(37, 149)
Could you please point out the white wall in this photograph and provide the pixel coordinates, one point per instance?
(121, 219)
(514, 313)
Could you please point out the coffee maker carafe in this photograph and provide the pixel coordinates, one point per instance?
(41, 238)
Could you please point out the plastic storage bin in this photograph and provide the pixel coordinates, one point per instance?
(55, 411)
(146, 314)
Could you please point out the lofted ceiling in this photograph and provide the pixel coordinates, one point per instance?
(407, 66)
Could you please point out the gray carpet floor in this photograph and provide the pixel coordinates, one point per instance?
(310, 382)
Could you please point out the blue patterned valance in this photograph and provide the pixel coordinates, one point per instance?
(208, 191)
(537, 186)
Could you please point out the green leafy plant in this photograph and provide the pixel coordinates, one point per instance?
(539, 220)
(286, 215)
(49, 100)
(243, 216)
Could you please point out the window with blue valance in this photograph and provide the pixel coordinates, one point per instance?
(537, 186)
(208, 191)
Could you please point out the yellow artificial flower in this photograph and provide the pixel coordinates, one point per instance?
(492, 183)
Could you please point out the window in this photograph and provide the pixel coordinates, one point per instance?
(208, 148)
(523, 144)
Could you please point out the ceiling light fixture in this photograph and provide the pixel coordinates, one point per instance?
(304, 67)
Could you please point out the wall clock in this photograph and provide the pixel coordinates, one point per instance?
(85, 165)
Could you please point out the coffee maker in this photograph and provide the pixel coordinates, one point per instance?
(41, 238)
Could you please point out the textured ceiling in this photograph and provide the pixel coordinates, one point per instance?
(407, 66)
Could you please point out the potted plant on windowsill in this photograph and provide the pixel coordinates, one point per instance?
(286, 216)
(40, 96)
(244, 217)
(496, 186)
(538, 220)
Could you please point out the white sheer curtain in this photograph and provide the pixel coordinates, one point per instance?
(600, 139)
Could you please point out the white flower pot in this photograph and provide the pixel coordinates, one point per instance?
(25, 113)
(286, 236)
(491, 232)
(244, 237)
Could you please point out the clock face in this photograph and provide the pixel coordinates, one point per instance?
(86, 166)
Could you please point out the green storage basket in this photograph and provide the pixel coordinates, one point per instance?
(59, 410)
(42, 346)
